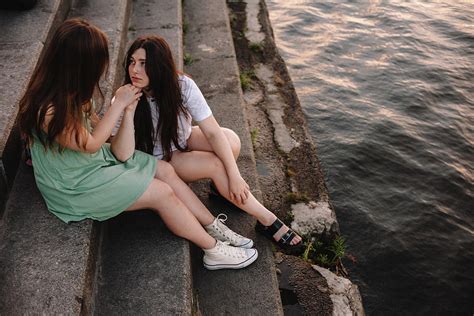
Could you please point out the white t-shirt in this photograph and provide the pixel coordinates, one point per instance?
(193, 102)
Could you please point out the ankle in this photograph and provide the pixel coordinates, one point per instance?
(213, 246)
(209, 222)
(267, 220)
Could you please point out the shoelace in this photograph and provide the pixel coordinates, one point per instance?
(228, 233)
(225, 248)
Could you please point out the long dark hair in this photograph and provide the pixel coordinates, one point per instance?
(164, 86)
(64, 82)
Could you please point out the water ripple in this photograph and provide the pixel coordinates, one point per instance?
(388, 91)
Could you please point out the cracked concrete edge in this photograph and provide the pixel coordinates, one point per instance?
(344, 294)
(312, 215)
(283, 137)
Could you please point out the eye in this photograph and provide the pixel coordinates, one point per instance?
(142, 63)
(132, 62)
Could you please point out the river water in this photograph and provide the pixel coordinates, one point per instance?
(388, 91)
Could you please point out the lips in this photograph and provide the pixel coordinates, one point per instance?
(136, 79)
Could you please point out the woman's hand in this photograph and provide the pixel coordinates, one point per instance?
(132, 107)
(127, 95)
(238, 189)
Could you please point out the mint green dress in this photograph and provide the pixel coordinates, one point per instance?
(77, 185)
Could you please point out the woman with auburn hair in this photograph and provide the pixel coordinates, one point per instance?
(163, 128)
(78, 174)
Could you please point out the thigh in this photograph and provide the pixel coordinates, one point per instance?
(195, 165)
(198, 141)
(156, 190)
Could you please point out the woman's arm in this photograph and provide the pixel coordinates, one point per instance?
(123, 143)
(239, 189)
(124, 96)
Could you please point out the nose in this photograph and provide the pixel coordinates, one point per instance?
(135, 68)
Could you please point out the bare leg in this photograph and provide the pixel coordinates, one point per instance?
(202, 163)
(198, 141)
(196, 165)
(160, 197)
(166, 173)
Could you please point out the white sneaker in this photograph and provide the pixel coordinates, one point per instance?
(224, 256)
(220, 231)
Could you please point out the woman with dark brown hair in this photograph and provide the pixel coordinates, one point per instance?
(78, 174)
(163, 128)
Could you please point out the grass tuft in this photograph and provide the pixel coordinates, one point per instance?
(246, 79)
(297, 197)
(185, 27)
(253, 136)
(187, 59)
(290, 172)
(257, 48)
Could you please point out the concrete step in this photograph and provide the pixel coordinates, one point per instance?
(145, 269)
(22, 40)
(253, 290)
(44, 263)
(47, 266)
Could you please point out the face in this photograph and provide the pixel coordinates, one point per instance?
(136, 69)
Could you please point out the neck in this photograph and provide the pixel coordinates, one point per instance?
(148, 92)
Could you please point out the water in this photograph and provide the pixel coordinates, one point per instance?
(388, 91)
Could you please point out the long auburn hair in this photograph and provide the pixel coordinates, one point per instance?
(64, 82)
(165, 88)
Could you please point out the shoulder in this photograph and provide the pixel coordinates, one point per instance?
(187, 84)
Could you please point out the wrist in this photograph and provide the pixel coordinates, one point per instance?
(234, 175)
(118, 104)
(129, 112)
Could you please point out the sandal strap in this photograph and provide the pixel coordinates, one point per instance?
(275, 227)
(288, 237)
(270, 230)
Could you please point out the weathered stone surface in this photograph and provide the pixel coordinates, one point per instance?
(253, 97)
(112, 17)
(303, 290)
(275, 108)
(163, 18)
(265, 74)
(22, 39)
(344, 294)
(146, 270)
(313, 217)
(214, 69)
(48, 267)
(44, 263)
(253, 34)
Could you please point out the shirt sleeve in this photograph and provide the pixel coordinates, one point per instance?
(193, 100)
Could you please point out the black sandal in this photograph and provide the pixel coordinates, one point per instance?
(285, 240)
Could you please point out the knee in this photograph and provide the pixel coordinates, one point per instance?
(164, 171)
(162, 191)
(234, 141)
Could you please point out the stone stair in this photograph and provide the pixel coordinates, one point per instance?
(208, 40)
(145, 268)
(23, 36)
(130, 264)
